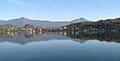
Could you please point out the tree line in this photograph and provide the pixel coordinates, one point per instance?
(101, 25)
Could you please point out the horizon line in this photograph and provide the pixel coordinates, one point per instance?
(56, 20)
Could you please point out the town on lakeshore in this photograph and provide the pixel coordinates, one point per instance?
(77, 25)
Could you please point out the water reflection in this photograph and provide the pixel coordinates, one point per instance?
(82, 37)
(60, 46)
(101, 36)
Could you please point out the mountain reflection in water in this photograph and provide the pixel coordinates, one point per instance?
(24, 38)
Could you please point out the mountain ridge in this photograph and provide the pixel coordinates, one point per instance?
(43, 23)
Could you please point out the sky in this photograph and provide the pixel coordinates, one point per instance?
(59, 10)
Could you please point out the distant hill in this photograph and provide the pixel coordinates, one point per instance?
(112, 25)
(79, 20)
(44, 23)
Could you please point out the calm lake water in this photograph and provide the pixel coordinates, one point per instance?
(60, 47)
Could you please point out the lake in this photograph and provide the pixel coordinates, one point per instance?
(62, 46)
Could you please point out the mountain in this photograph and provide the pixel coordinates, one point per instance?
(19, 22)
(79, 20)
(1, 21)
(44, 23)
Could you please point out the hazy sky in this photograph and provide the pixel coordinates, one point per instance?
(60, 9)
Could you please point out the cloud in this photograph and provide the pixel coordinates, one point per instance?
(18, 2)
